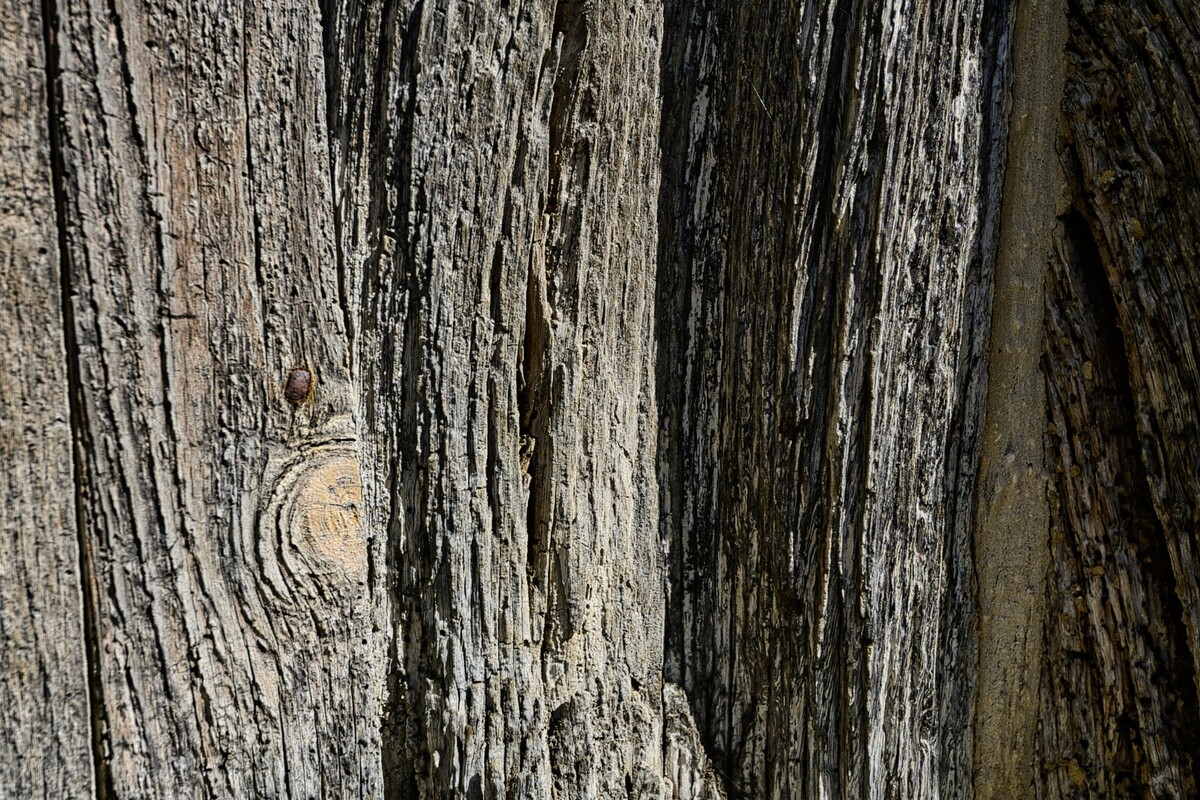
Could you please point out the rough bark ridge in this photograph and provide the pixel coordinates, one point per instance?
(829, 190)
(1119, 698)
(236, 657)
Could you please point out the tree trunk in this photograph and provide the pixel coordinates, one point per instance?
(410, 398)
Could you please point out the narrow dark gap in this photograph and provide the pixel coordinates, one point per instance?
(526, 436)
(387, 292)
(80, 444)
(534, 397)
(670, 334)
(371, 66)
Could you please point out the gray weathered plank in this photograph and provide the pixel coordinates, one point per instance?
(647, 350)
(45, 729)
(498, 166)
(237, 650)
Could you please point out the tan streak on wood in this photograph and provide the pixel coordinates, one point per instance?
(1012, 534)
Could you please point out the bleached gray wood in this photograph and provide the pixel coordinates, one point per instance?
(45, 729)
(237, 651)
(649, 348)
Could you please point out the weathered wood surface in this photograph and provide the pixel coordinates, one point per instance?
(45, 732)
(1132, 112)
(648, 348)
(830, 185)
(500, 178)
(237, 655)
(1119, 712)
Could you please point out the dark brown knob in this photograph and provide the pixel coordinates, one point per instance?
(298, 387)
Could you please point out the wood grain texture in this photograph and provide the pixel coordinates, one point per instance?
(1133, 141)
(236, 647)
(45, 728)
(561, 399)
(829, 188)
(498, 171)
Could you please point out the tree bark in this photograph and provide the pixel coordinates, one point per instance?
(412, 398)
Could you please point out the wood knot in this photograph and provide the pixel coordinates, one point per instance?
(298, 386)
(325, 518)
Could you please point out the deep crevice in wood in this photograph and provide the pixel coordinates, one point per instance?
(101, 747)
(531, 424)
(329, 60)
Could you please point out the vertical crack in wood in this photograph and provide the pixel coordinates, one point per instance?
(533, 412)
(380, 44)
(537, 384)
(573, 20)
(101, 747)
